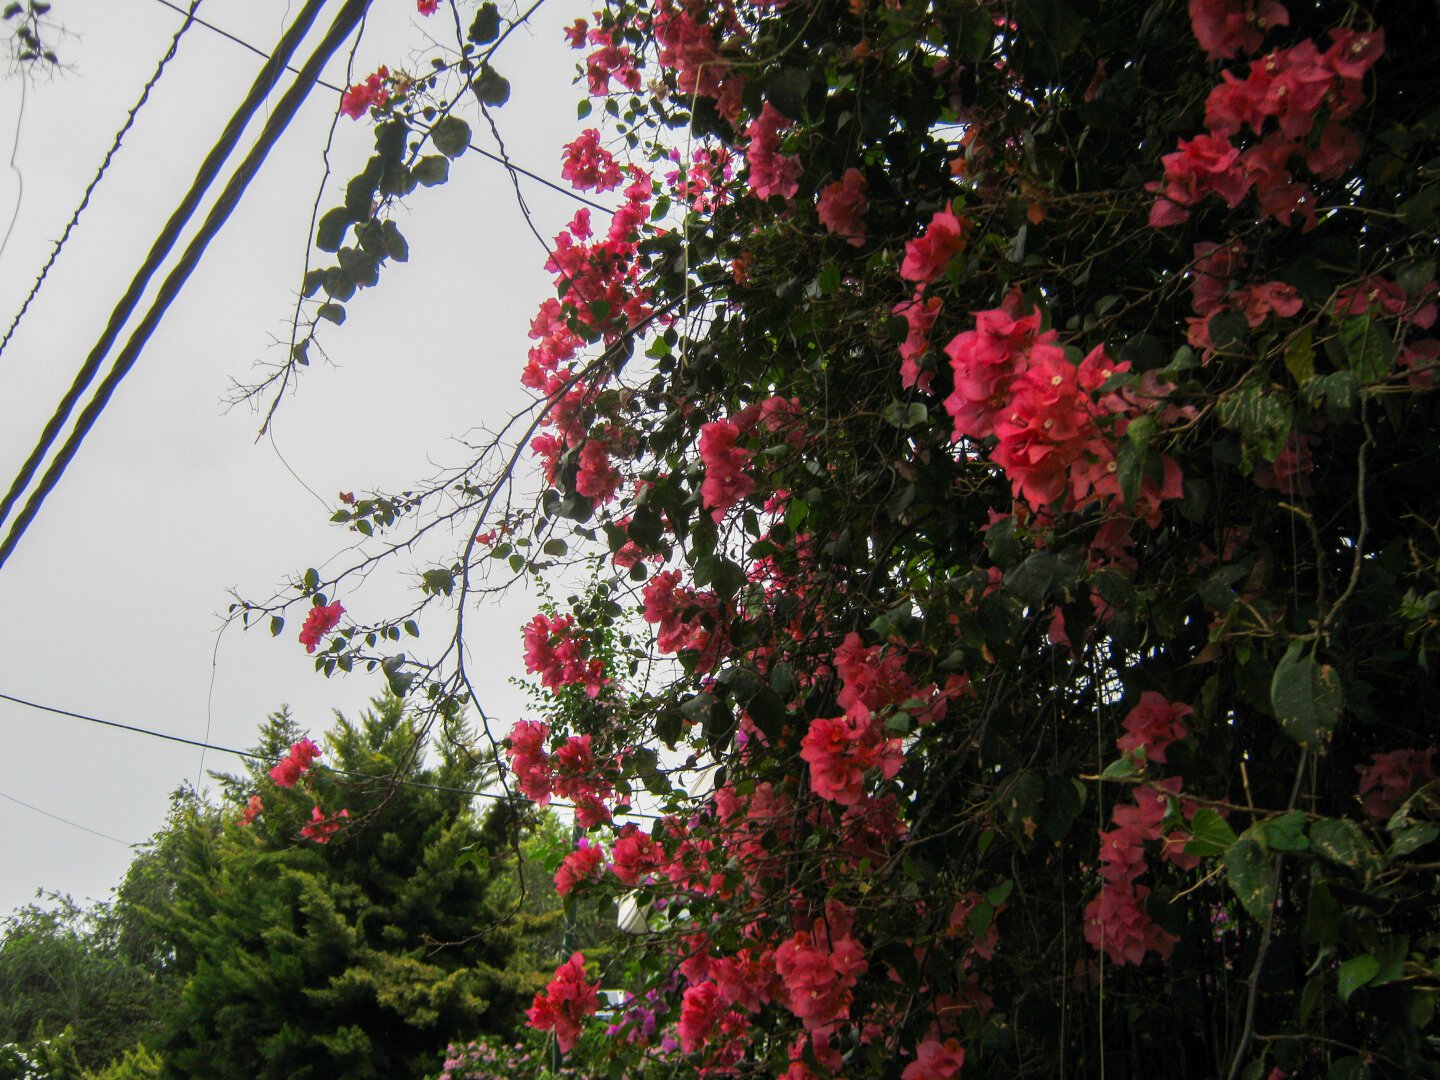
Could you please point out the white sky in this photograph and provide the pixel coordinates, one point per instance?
(112, 603)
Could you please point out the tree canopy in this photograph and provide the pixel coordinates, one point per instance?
(350, 941)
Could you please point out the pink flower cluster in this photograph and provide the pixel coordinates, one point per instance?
(1116, 921)
(374, 92)
(610, 60)
(254, 807)
(689, 36)
(1225, 27)
(935, 1060)
(585, 863)
(840, 750)
(572, 772)
(1279, 101)
(920, 316)
(588, 165)
(771, 172)
(726, 481)
(704, 183)
(680, 615)
(555, 650)
(1211, 292)
(321, 827)
(842, 207)
(319, 621)
(817, 972)
(1390, 778)
(294, 764)
(927, 256)
(1152, 725)
(1014, 382)
(565, 1003)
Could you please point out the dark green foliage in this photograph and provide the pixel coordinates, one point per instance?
(357, 958)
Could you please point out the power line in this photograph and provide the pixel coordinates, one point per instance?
(279, 120)
(160, 250)
(497, 158)
(66, 821)
(99, 175)
(135, 729)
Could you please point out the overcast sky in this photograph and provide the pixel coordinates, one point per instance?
(113, 602)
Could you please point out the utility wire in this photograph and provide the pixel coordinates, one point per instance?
(66, 821)
(160, 250)
(497, 158)
(248, 756)
(94, 183)
(345, 22)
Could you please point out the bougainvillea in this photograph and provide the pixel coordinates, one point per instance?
(999, 438)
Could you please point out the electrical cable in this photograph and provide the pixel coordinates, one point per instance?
(209, 169)
(99, 175)
(66, 821)
(489, 155)
(248, 756)
(279, 120)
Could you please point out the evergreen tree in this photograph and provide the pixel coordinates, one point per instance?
(352, 951)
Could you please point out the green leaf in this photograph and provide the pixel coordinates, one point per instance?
(1342, 842)
(451, 136)
(1412, 839)
(1355, 973)
(1300, 356)
(1350, 1067)
(431, 170)
(334, 313)
(1130, 470)
(1210, 834)
(1228, 332)
(439, 580)
(1422, 209)
(1283, 833)
(330, 232)
(1120, 769)
(1306, 697)
(412, 628)
(829, 279)
(395, 244)
(1262, 419)
(277, 625)
(492, 88)
(485, 27)
(1251, 874)
(1367, 351)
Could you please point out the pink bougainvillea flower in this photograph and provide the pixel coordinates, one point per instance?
(253, 808)
(295, 763)
(726, 481)
(319, 621)
(927, 256)
(1390, 778)
(771, 172)
(1225, 27)
(842, 207)
(356, 101)
(427, 7)
(321, 827)
(565, 1003)
(588, 165)
(1153, 725)
(935, 1060)
(582, 864)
